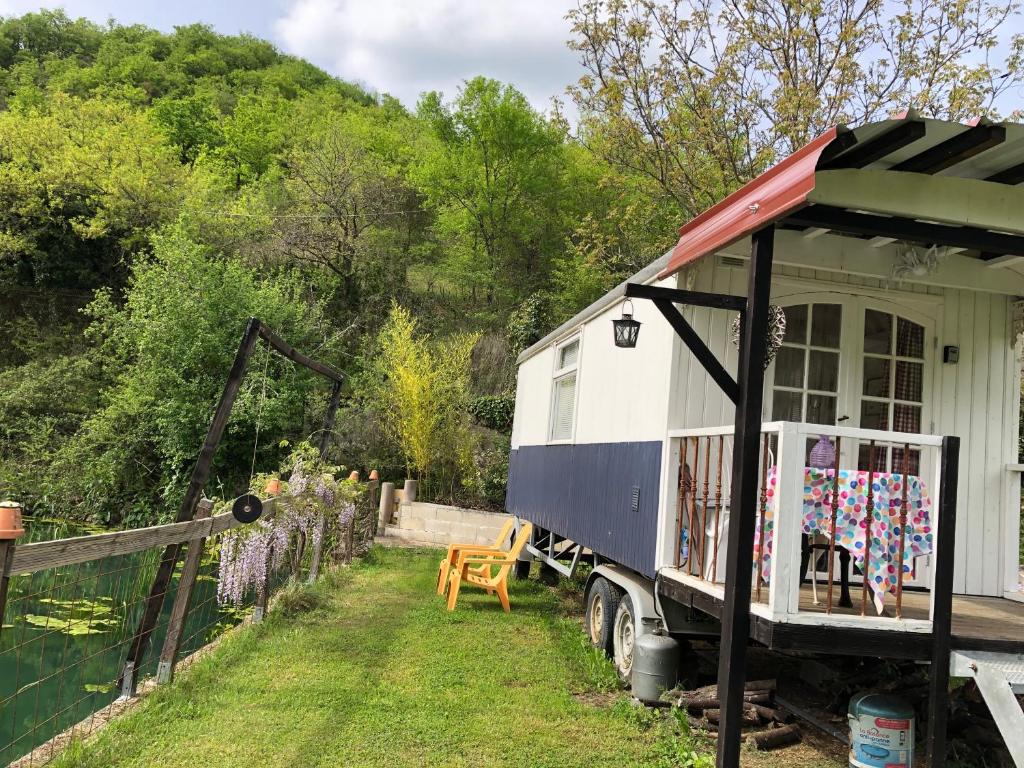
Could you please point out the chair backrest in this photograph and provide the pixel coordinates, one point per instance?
(506, 529)
(522, 537)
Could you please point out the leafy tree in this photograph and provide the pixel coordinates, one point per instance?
(490, 170)
(171, 345)
(82, 185)
(701, 96)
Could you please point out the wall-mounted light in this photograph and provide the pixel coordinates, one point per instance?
(626, 328)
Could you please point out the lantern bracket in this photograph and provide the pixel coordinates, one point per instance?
(665, 300)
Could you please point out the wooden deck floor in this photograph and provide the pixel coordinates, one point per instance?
(973, 617)
(979, 623)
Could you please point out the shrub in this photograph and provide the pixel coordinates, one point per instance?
(494, 411)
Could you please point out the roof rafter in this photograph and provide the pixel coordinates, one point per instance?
(853, 223)
(867, 152)
(948, 153)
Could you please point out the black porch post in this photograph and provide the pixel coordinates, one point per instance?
(942, 617)
(739, 559)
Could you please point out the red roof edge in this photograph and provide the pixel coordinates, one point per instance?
(779, 190)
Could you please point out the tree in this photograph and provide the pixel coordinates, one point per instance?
(490, 171)
(82, 185)
(170, 345)
(421, 391)
(703, 95)
(347, 211)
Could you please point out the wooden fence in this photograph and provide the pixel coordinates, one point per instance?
(65, 667)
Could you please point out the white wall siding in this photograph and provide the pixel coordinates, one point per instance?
(622, 394)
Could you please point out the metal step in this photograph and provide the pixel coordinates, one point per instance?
(999, 676)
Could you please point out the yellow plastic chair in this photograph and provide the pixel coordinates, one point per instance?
(479, 570)
(477, 549)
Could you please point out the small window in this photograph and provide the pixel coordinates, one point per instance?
(563, 395)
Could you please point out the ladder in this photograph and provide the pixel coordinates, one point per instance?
(999, 677)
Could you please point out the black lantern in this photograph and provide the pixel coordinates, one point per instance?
(626, 328)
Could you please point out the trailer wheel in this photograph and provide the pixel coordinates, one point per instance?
(602, 600)
(624, 638)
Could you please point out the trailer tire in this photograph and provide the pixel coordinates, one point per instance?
(624, 637)
(602, 601)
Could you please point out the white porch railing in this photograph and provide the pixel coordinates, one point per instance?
(880, 485)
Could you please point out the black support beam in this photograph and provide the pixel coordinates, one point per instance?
(868, 225)
(676, 296)
(1012, 175)
(699, 349)
(955, 150)
(867, 152)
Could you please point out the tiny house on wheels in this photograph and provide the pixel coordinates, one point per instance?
(803, 420)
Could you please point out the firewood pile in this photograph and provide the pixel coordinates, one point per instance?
(764, 725)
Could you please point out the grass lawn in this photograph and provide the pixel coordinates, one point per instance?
(377, 673)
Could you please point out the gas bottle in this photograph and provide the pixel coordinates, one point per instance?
(881, 732)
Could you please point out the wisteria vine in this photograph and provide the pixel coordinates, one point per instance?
(311, 497)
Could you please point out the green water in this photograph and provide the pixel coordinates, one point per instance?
(66, 632)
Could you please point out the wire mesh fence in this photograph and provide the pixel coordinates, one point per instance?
(67, 632)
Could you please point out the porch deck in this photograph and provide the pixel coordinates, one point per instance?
(979, 623)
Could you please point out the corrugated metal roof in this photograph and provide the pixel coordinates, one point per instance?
(786, 186)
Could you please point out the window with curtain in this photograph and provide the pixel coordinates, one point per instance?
(892, 390)
(563, 395)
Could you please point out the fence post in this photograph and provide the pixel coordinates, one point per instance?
(371, 489)
(325, 441)
(387, 504)
(179, 613)
(6, 559)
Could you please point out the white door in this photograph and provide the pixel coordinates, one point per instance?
(857, 362)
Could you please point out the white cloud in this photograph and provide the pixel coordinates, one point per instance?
(406, 47)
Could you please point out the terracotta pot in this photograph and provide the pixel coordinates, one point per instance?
(273, 487)
(374, 475)
(10, 520)
(354, 476)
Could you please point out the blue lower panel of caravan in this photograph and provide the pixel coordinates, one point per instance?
(601, 495)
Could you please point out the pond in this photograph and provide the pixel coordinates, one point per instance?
(66, 632)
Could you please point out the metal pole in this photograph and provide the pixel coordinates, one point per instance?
(740, 553)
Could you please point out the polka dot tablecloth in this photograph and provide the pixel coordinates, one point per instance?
(851, 521)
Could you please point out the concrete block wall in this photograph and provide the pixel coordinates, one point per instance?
(438, 525)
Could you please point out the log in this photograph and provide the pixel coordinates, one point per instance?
(750, 717)
(773, 738)
(771, 714)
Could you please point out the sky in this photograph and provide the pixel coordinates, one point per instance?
(401, 47)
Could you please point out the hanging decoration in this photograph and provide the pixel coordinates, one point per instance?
(911, 262)
(776, 332)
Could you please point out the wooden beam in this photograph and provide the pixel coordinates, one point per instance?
(699, 349)
(942, 603)
(867, 152)
(1012, 175)
(676, 296)
(294, 355)
(950, 152)
(57, 553)
(844, 139)
(182, 599)
(739, 559)
(950, 200)
(869, 225)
